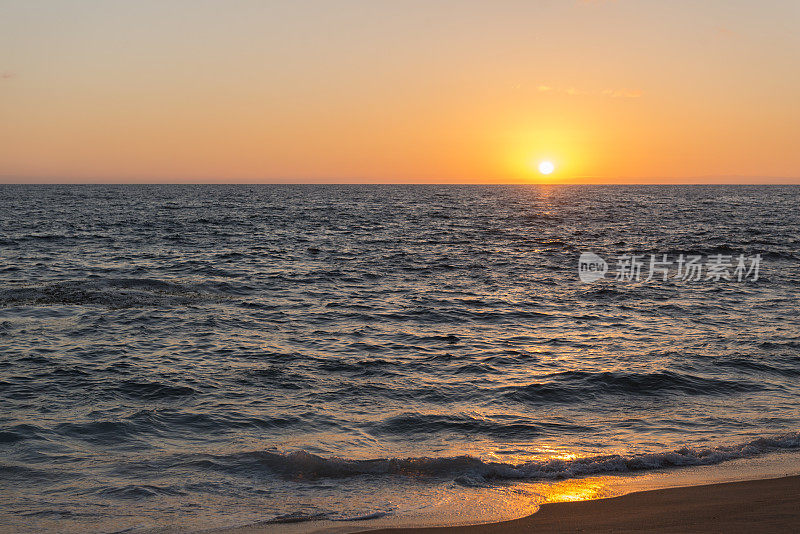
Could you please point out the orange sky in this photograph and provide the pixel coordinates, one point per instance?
(407, 91)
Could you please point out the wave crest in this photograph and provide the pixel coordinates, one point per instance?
(302, 465)
(111, 293)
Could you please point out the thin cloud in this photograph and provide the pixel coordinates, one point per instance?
(622, 93)
(574, 91)
(723, 31)
(6, 75)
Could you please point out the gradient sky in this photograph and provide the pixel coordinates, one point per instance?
(400, 91)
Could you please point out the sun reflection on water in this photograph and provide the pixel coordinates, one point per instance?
(578, 490)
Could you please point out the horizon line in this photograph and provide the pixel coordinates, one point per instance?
(666, 181)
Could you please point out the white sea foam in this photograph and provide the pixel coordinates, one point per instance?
(471, 471)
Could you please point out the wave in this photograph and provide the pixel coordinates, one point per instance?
(111, 293)
(468, 470)
(137, 491)
(415, 423)
(565, 386)
(301, 517)
(146, 425)
(153, 390)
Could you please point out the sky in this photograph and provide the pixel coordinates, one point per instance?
(431, 91)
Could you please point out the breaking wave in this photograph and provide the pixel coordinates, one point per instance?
(302, 465)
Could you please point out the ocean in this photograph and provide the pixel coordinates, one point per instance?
(206, 356)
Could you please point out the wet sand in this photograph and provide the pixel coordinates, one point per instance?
(762, 506)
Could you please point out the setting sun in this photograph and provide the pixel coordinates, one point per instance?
(546, 167)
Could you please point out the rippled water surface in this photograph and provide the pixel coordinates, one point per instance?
(215, 355)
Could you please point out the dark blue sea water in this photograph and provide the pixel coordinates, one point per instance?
(191, 356)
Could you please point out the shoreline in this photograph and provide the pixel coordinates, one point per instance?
(765, 506)
(542, 507)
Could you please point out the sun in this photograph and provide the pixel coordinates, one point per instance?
(546, 167)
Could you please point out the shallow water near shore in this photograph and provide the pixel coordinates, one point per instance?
(214, 356)
(521, 499)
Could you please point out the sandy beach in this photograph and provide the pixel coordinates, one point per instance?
(762, 506)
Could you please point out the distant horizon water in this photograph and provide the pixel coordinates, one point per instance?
(533, 181)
